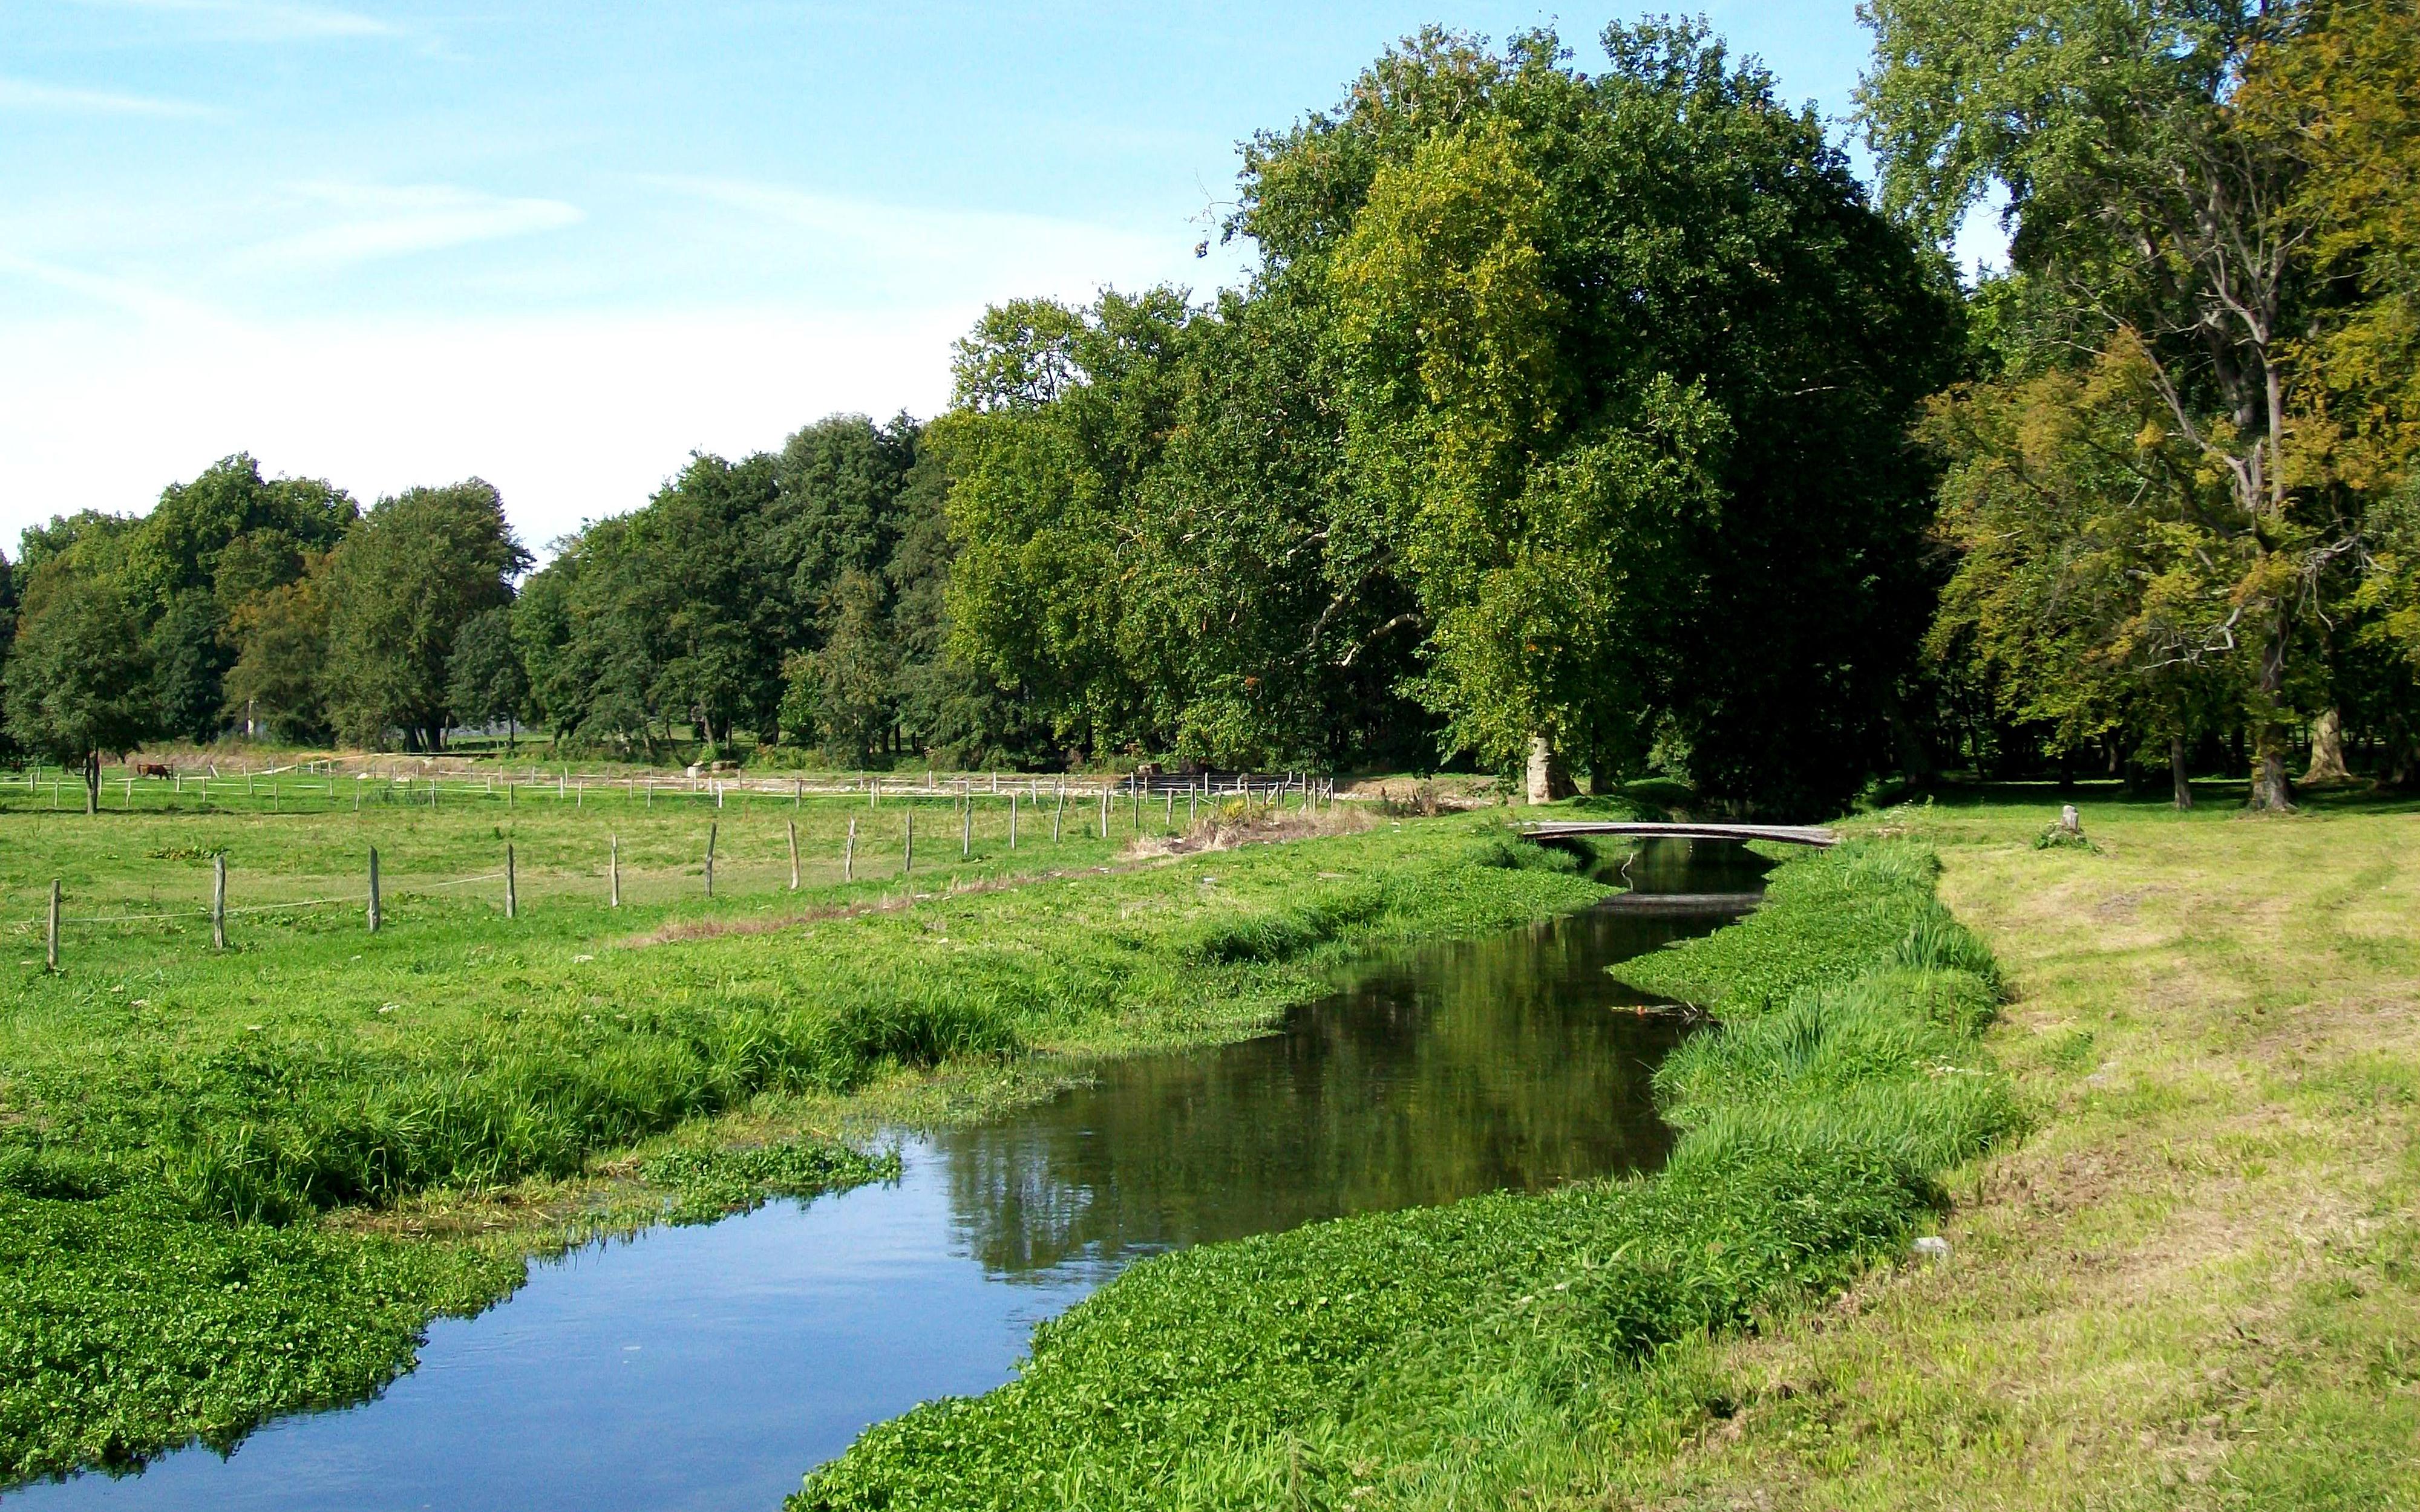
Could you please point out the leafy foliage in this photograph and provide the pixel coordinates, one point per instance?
(400, 586)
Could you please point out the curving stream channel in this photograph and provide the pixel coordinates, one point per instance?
(710, 1367)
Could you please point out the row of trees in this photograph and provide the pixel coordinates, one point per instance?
(1599, 420)
(2180, 482)
(275, 606)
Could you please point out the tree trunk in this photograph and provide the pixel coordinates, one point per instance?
(92, 783)
(2177, 772)
(2327, 749)
(1601, 776)
(2271, 792)
(2403, 768)
(1915, 761)
(1548, 780)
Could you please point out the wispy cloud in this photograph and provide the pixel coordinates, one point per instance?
(381, 221)
(24, 94)
(264, 19)
(128, 295)
(952, 250)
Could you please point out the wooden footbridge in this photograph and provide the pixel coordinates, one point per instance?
(1641, 829)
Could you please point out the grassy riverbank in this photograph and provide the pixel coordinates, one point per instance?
(235, 1184)
(1443, 1355)
(2198, 1284)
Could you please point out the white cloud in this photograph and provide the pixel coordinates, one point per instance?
(268, 20)
(572, 418)
(383, 221)
(904, 249)
(24, 94)
(127, 296)
(123, 387)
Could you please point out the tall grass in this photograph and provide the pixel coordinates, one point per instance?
(178, 1130)
(1370, 1360)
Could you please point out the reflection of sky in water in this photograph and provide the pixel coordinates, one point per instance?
(710, 1367)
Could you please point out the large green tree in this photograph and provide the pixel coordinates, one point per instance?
(1625, 363)
(399, 588)
(2158, 184)
(485, 680)
(79, 684)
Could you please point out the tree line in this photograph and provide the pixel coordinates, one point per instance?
(1577, 421)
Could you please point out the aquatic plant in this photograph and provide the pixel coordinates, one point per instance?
(208, 1162)
(1303, 1368)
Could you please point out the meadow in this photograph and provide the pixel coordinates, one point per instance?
(2157, 1093)
(237, 1182)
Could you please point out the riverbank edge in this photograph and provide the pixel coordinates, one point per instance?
(1376, 1359)
(75, 1394)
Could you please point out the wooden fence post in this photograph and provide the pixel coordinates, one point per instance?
(966, 828)
(1058, 813)
(907, 846)
(374, 890)
(1168, 820)
(1012, 821)
(613, 869)
(218, 902)
(793, 855)
(512, 890)
(51, 939)
(710, 828)
(848, 853)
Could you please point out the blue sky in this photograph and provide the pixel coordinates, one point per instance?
(561, 245)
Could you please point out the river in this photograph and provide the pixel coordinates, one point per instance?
(709, 1366)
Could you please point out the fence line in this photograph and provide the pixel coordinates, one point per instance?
(963, 794)
(568, 783)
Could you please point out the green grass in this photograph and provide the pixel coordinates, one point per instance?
(1419, 1356)
(235, 1184)
(2195, 1285)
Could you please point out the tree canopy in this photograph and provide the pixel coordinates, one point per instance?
(1590, 417)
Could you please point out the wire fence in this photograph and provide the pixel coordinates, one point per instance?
(885, 845)
(159, 784)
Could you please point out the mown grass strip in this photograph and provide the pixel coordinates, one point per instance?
(1349, 1361)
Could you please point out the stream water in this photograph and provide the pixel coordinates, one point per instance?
(710, 1367)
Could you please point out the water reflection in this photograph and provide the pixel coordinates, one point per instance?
(1513, 1062)
(709, 1368)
